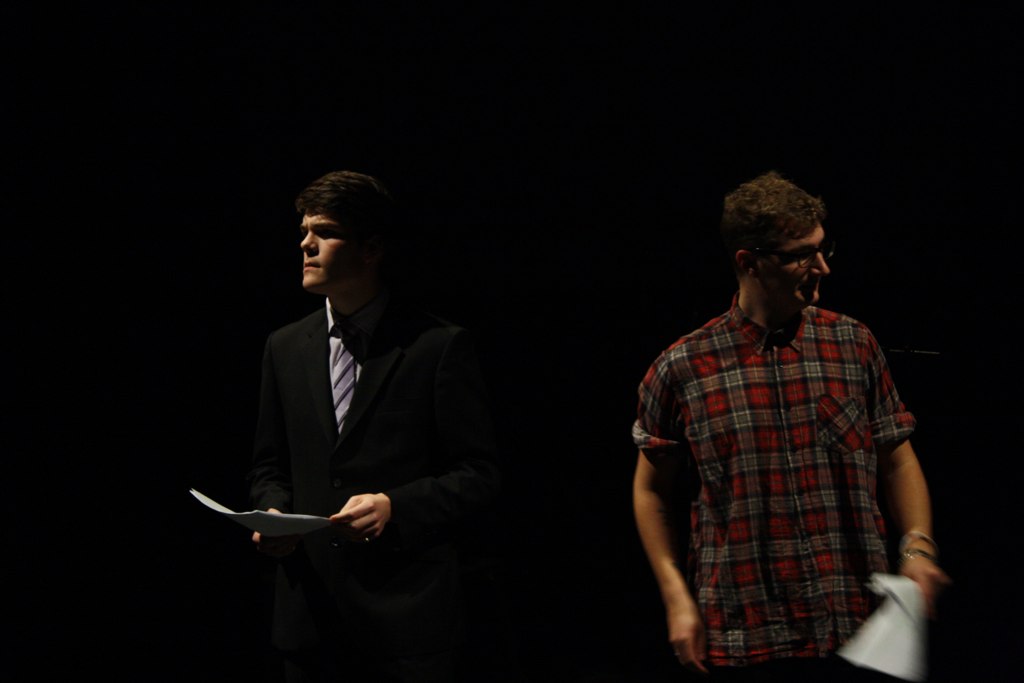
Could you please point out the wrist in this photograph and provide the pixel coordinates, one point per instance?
(922, 542)
(915, 553)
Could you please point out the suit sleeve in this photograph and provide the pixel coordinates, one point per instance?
(269, 477)
(428, 509)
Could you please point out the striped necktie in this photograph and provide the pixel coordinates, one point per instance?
(343, 371)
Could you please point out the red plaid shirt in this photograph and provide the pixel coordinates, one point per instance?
(785, 527)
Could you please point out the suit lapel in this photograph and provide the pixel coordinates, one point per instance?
(384, 352)
(318, 374)
(372, 377)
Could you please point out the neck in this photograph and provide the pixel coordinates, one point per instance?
(755, 304)
(352, 299)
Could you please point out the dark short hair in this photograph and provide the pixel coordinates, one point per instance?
(357, 201)
(766, 211)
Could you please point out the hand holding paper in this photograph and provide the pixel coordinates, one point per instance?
(268, 523)
(893, 639)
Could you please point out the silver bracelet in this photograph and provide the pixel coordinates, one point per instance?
(912, 535)
(911, 553)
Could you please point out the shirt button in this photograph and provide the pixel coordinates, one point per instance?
(336, 482)
(336, 542)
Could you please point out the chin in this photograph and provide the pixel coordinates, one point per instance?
(809, 299)
(312, 286)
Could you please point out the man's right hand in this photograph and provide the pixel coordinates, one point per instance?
(275, 546)
(689, 642)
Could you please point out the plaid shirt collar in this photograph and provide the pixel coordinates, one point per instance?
(761, 338)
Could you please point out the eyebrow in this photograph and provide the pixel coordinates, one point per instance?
(804, 250)
(326, 227)
(810, 247)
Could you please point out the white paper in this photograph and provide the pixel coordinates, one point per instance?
(269, 523)
(894, 638)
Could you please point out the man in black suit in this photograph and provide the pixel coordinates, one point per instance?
(400, 463)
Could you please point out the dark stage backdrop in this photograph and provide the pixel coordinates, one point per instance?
(562, 170)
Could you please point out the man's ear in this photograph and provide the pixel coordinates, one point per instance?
(373, 249)
(746, 262)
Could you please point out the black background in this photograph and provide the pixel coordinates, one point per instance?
(563, 169)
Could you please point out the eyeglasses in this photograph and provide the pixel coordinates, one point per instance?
(801, 258)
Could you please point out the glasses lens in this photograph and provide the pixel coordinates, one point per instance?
(826, 250)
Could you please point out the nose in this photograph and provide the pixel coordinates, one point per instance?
(308, 243)
(820, 265)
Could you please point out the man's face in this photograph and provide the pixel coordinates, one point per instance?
(334, 261)
(789, 285)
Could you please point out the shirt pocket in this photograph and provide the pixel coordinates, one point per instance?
(842, 424)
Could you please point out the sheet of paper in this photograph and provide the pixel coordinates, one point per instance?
(894, 638)
(269, 523)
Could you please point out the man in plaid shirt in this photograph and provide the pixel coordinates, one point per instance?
(780, 418)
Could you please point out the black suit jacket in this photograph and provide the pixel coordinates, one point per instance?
(419, 430)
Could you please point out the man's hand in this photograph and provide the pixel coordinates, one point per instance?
(686, 634)
(363, 517)
(930, 579)
(275, 546)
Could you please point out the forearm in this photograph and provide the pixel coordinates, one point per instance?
(907, 493)
(653, 511)
(652, 507)
(269, 487)
(433, 504)
(269, 475)
(463, 476)
(911, 509)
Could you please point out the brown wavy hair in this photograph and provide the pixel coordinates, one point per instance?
(766, 211)
(358, 201)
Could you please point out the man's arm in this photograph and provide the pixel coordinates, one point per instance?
(907, 493)
(269, 488)
(467, 477)
(652, 508)
(276, 546)
(363, 517)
